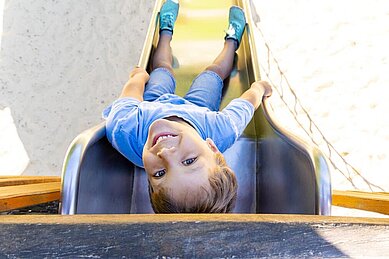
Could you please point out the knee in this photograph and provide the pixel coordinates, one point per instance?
(217, 69)
(165, 65)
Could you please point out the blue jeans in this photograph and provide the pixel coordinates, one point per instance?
(205, 91)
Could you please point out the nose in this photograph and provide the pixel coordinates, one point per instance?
(165, 152)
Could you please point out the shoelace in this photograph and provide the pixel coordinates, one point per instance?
(168, 18)
(232, 29)
(237, 27)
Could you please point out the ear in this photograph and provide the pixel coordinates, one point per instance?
(212, 145)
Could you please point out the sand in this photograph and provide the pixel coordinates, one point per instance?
(62, 62)
(334, 56)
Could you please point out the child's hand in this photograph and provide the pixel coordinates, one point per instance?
(257, 91)
(264, 87)
(141, 73)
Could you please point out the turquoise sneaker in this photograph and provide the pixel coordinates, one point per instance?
(168, 15)
(237, 24)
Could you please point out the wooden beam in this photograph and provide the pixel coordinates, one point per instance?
(173, 218)
(193, 236)
(20, 180)
(375, 201)
(19, 196)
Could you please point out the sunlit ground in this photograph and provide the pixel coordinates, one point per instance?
(335, 57)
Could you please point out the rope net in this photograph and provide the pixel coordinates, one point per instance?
(270, 67)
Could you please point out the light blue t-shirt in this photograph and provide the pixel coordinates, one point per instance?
(128, 121)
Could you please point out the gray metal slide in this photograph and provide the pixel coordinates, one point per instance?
(276, 171)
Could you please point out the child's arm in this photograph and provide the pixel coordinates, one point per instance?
(135, 85)
(256, 92)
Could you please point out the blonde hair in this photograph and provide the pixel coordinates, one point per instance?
(219, 198)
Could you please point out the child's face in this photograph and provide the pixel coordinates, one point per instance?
(177, 158)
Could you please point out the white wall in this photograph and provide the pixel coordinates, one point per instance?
(61, 63)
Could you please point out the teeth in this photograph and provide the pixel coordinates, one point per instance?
(163, 137)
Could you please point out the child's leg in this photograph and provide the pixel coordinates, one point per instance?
(206, 89)
(163, 54)
(161, 78)
(222, 65)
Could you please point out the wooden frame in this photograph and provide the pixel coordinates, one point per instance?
(24, 191)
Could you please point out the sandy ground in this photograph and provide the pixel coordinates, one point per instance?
(334, 56)
(62, 62)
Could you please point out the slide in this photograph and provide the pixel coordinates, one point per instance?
(277, 172)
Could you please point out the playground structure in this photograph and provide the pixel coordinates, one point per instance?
(277, 172)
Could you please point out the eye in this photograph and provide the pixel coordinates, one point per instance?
(159, 173)
(189, 161)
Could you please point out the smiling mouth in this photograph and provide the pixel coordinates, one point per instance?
(161, 137)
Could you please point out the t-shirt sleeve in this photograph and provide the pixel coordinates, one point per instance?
(121, 127)
(120, 107)
(235, 117)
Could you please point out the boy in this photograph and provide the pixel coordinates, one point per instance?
(179, 141)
